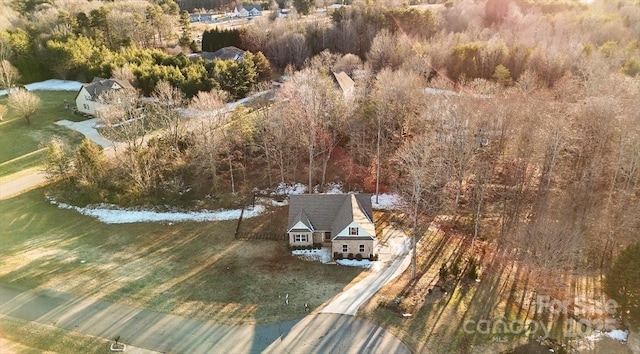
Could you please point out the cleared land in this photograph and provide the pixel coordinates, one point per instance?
(197, 270)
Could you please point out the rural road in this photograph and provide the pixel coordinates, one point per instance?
(22, 184)
(394, 255)
(320, 333)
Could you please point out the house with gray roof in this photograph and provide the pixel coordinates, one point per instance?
(87, 97)
(225, 53)
(342, 221)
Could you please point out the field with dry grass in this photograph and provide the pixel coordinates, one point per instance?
(197, 270)
(445, 316)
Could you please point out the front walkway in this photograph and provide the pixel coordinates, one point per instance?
(322, 333)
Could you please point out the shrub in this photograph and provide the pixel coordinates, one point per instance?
(444, 272)
(358, 256)
(455, 268)
(337, 255)
(472, 270)
(375, 257)
(350, 256)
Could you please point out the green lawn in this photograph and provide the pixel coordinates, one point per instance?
(193, 269)
(18, 138)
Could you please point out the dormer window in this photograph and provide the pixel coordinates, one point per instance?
(353, 231)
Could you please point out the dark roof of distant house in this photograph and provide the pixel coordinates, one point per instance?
(251, 7)
(99, 85)
(224, 54)
(329, 212)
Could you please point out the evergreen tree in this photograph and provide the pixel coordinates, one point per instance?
(623, 285)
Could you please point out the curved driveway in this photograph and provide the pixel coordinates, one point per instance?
(394, 259)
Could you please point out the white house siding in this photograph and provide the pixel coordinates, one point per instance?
(84, 104)
(363, 230)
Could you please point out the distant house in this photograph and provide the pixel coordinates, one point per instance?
(225, 53)
(247, 11)
(343, 221)
(87, 97)
(345, 83)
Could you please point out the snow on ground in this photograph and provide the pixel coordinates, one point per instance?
(322, 255)
(51, 85)
(111, 214)
(289, 189)
(386, 201)
(334, 188)
(365, 263)
(588, 342)
(618, 335)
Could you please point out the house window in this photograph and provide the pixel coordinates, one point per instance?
(345, 248)
(300, 238)
(361, 248)
(86, 106)
(353, 231)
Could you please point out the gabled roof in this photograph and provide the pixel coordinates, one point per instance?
(225, 53)
(352, 212)
(301, 220)
(100, 85)
(326, 212)
(344, 81)
(251, 7)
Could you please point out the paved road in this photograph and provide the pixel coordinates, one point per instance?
(22, 184)
(321, 333)
(394, 256)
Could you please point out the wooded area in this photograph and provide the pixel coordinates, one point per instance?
(518, 122)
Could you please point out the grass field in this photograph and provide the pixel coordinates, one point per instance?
(193, 269)
(17, 138)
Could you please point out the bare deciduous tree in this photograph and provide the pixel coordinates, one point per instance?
(423, 175)
(8, 74)
(25, 103)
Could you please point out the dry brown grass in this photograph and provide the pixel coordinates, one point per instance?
(196, 270)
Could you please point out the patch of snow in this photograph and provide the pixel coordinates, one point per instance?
(51, 85)
(386, 201)
(334, 188)
(322, 255)
(365, 263)
(587, 342)
(112, 214)
(286, 189)
(618, 335)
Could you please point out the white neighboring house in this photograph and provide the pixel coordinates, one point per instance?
(246, 11)
(87, 97)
